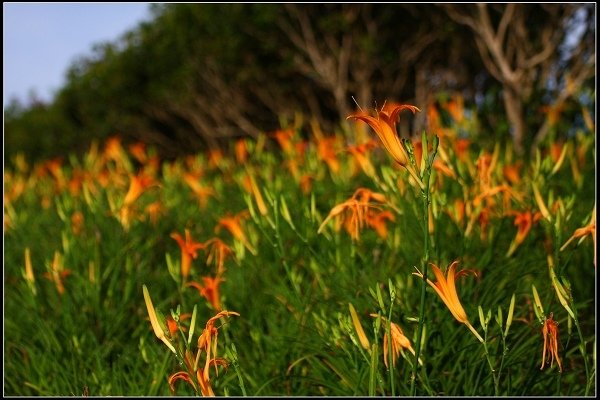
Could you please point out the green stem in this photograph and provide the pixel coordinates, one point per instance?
(425, 260)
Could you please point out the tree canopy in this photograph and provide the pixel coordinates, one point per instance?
(197, 75)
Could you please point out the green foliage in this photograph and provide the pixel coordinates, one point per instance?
(294, 335)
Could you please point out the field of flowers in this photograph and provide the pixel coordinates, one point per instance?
(305, 263)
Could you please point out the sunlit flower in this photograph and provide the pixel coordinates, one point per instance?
(306, 183)
(241, 150)
(445, 287)
(284, 138)
(512, 172)
(360, 154)
(201, 192)
(210, 290)
(218, 252)
(189, 251)
(215, 156)
(589, 229)
(377, 221)
(154, 210)
(399, 342)
(524, 221)
(138, 183)
(385, 127)
(353, 213)
(327, 152)
(138, 151)
(207, 342)
(550, 335)
(233, 225)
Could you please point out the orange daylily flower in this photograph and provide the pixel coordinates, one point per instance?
(210, 290)
(201, 192)
(589, 229)
(138, 151)
(284, 138)
(218, 252)
(550, 335)
(326, 151)
(241, 150)
(445, 287)
(512, 172)
(154, 210)
(361, 158)
(232, 224)
(214, 157)
(399, 341)
(354, 212)
(524, 221)
(378, 220)
(138, 183)
(306, 183)
(207, 342)
(189, 251)
(385, 127)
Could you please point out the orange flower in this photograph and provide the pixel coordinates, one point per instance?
(210, 290)
(550, 335)
(589, 229)
(445, 287)
(399, 341)
(241, 151)
(327, 153)
(385, 127)
(361, 158)
(138, 151)
(218, 251)
(137, 185)
(284, 138)
(512, 172)
(201, 192)
(377, 221)
(232, 224)
(207, 342)
(189, 251)
(524, 221)
(353, 213)
(154, 210)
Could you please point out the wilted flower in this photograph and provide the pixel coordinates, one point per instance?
(550, 335)
(399, 342)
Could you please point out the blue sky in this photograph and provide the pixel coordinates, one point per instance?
(41, 40)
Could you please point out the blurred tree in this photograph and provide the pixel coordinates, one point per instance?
(520, 45)
(198, 74)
